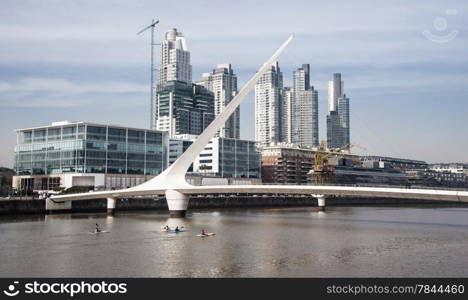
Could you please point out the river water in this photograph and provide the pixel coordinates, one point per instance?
(279, 242)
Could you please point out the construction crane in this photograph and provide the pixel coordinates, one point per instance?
(152, 87)
(323, 172)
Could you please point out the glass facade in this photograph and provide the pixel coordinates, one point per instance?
(183, 108)
(238, 158)
(90, 148)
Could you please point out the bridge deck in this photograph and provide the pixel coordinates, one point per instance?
(425, 194)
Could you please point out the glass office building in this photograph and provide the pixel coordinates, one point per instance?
(81, 147)
(226, 157)
(183, 108)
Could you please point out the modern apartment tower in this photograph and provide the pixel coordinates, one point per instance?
(301, 78)
(174, 66)
(181, 107)
(338, 129)
(304, 131)
(335, 90)
(268, 104)
(175, 58)
(343, 112)
(223, 83)
(184, 108)
(287, 115)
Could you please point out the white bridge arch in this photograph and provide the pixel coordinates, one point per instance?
(171, 182)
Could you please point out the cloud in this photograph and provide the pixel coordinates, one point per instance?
(72, 59)
(104, 33)
(57, 92)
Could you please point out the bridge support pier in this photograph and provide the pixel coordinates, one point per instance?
(111, 206)
(320, 202)
(177, 203)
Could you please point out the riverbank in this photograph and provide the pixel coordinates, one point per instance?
(16, 207)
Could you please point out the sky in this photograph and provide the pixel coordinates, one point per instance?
(403, 63)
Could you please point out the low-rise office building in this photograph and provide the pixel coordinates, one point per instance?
(178, 144)
(396, 163)
(369, 175)
(432, 178)
(450, 168)
(226, 157)
(222, 158)
(67, 154)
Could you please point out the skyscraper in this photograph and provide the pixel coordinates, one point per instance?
(175, 66)
(307, 118)
(304, 114)
(333, 130)
(175, 58)
(184, 108)
(335, 90)
(268, 102)
(343, 112)
(338, 129)
(287, 115)
(223, 83)
(181, 107)
(301, 78)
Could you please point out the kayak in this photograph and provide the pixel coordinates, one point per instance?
(173, 230)
(206, 234)
(97, 232)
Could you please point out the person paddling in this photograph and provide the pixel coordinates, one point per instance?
(97, 228)
(203, 232)
(177, 229)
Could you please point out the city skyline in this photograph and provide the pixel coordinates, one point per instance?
(413, 98)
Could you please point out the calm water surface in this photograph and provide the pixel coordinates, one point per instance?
(286, 242)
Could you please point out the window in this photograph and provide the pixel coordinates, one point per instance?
(53, 134)
(69, 133)
(117, 134)
(96, 133)
(136, 136)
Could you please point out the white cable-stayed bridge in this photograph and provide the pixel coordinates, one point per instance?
(171, 182)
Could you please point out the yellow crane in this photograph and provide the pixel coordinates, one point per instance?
(323, 172)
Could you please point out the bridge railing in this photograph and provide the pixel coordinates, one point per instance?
(377, 185)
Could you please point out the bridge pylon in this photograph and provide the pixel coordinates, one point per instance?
(177, 203)
(111, 206)
(320, 201)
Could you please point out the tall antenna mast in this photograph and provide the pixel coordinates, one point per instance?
(152, 86)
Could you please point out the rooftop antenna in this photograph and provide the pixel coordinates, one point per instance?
(152, 86)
